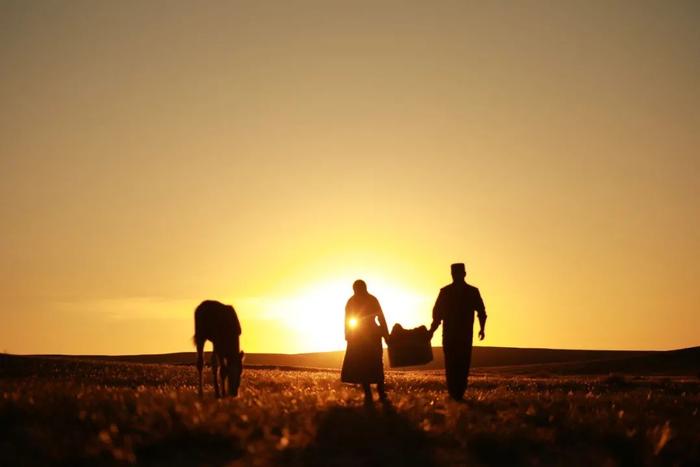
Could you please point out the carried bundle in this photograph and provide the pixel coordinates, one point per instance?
(409, 347)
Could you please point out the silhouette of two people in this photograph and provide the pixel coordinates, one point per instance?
(454, 308)
(365, 327)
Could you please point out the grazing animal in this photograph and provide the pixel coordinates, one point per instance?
(219, 324)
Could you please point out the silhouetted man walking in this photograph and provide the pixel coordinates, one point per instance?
(455, 306)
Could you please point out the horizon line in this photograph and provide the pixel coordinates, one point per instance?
(339, 350)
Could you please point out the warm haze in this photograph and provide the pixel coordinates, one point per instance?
(267, 154)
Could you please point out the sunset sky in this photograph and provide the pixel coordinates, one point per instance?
(154, 154)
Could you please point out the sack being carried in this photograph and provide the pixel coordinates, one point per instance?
(409, 347)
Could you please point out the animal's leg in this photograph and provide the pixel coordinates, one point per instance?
(213, 370)
(223, 372)
(200, 365)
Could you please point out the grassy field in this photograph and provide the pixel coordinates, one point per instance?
(71, 412)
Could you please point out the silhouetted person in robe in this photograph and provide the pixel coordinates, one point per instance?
(364, 328)
(455, 307)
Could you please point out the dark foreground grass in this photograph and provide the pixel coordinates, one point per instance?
(59, 412)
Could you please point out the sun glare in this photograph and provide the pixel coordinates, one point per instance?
(315, 314)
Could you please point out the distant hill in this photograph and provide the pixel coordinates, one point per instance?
(487, 359)
(682, 362)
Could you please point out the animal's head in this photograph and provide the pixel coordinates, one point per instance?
(235, 370)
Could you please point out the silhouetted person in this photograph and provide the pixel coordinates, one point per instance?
(455, 307)
(364, 328)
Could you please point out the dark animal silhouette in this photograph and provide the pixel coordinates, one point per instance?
(219, 324)
(455, 307)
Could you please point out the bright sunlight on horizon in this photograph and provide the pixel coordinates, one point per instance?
(155, 154)
(314, 315)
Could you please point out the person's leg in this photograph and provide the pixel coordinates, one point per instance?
(457, 369)
(368, 392)
(451, 372)
(465, 359)
(467, 364)
(460, 377)
(381, 390)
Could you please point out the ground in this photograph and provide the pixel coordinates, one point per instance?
(62, 412)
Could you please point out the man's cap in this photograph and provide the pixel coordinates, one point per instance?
(458, 268)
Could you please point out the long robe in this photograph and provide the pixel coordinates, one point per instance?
(363, 357)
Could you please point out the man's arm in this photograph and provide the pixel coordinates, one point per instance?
(481, 313)
(437, 313)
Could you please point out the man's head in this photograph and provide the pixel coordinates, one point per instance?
(359, 287)
(459, 272)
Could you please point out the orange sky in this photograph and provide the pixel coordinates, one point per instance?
(266, 154)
